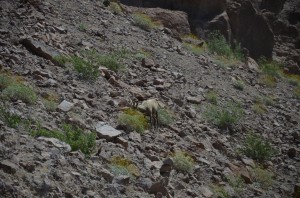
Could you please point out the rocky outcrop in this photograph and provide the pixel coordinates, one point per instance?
(251, 29)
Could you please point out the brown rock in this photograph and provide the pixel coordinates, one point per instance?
(147, 62)
(8, 167)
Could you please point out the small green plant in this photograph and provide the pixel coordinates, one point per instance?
(164, 117)
(183, 162)
(257, 148)
(239, 84)
(220, 191)
(74, 136)
(224, 116)
(195, 49)
(82, 27)
(141, 54)
(259, 108)
(61, 60)
(133, 120)
(10, 119)
(20, 92)
(212, 97)
(5, 81)
(296, 92)
(263, 178)
(115, 8)
(85, 68)
(270, 68)
(143, 21)
(122, 166)
(237, 183)
(50, 105)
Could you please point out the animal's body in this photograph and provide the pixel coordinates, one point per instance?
(150, 108)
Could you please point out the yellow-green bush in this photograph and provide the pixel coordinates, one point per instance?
(122, 166)
(132, 119)
(183, 162)
(143, 21)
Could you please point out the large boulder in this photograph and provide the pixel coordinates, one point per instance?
(251, 29)
(274, 6)
(177, 21)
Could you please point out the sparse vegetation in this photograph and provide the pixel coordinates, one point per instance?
(237, 183)
(212, 97)
(259, 108)
(195, 49)
(133, 120)
(20, 92)
(82, 27)
(296, 92)
(115, 8)
(263, 178)
(10, 119)
(164, 117)
(257, 148)
(239, 84)
(85, 68)
(218, 44)
(141, 54)
(122, 166)
(220, 191)
(5, 81)
(224, 116)
(271, 70)
(143, 21)
(61, 60)
(183, 162)
(74, 136)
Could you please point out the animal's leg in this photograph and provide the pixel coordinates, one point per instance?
(156, 119)
(151, 120)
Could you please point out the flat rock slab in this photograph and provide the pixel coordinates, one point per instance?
(107, 132)
(195, 100)
(65, 106)
(8, 167)
(40, 49)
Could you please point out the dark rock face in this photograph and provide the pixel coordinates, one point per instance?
(251, 29)
(272, 5)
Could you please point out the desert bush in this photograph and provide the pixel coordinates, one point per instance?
(183, 162)
(61, 60)
(164, 117)
(257, 148)
(5, 81)
(143, 21)
(212, 97)
(236, 182)
(263, 178)
(132, 119)
(85, 68)
(115, 8)
(74, 136)
(141, 54)
(259, 108)
(82, 27)
(239, 84)
(122, 166)
(270, 68)
(10, 119)
(220, 191)
(20, 92)
(195, 49)
(224, 116)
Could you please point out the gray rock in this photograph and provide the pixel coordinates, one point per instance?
(206, 192)
(57, 143)
(8, 167)
(122, 179)
(65, 106)
(195, 100)
(107, 132)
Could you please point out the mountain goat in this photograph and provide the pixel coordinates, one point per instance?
(150, 108)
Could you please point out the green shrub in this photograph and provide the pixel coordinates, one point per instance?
(133, 120)
(218, 44)
(61, 60)
(85, 68)
(183, 162)
(224, 116)
(263, 178)
(237, 183)
(270, 68)
(259, 108)
(82, 27)
(74, 136)
(50, 105)
(197, 50)
(122, 166)
(115, 8)
(212, 97)
(140, 55)
(164, 117)
(238, 84)
(143, 21)
(257, 148)
(20, 92)
(5, 81)
(10, 119)
(220, 191)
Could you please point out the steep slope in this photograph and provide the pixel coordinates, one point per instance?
(33, 32)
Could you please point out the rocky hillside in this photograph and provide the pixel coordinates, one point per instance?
(69, 71)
